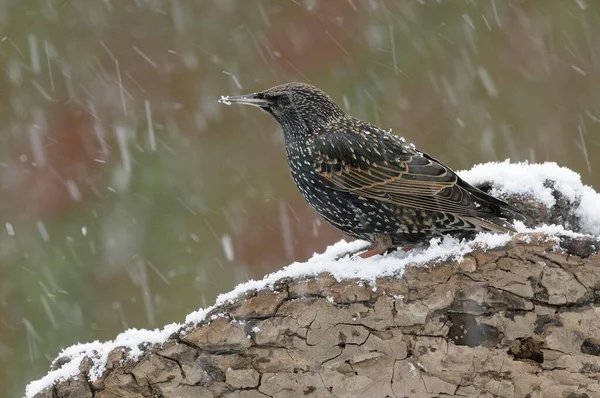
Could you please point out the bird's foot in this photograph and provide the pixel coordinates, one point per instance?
(352, 253)
(381, 245)
(371, 252)
(407, 248)
(376, 251)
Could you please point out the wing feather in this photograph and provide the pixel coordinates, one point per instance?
(382, 167)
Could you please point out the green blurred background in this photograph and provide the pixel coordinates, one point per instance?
(130, 198)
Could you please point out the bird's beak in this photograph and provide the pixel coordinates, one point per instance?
(250, 99)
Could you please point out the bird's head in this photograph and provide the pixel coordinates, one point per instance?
(299, 108)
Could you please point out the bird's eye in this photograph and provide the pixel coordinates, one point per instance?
(283, 99)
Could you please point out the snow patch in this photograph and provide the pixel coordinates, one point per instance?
(63, 373)
(224, 100)
(529, 179)
(130, 340)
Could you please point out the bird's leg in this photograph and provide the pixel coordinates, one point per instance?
(352, 253)
(375, 251)
(370, 253)
(372, 250)
(408, 248)
(381, 244)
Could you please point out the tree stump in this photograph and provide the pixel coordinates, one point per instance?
(520, 321)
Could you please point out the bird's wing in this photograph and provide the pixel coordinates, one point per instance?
(383, 167)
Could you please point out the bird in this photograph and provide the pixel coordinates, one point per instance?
(369, 183)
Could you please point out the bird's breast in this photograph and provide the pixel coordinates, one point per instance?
(336, 206)
(311, 184)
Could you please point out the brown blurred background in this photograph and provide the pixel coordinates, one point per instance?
(130, 198)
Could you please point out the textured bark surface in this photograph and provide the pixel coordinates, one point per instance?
(520, 321)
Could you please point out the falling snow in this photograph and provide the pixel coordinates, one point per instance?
(227, 244)
(131, 197)
(10, 229)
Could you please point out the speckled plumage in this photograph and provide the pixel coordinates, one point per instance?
(369, 183)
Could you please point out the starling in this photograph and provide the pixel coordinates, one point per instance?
(369, 183)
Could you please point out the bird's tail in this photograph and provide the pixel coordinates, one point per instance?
(500, 213)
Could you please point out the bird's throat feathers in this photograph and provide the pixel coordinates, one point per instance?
(304, 123)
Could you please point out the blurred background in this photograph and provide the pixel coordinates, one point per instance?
(129, 197)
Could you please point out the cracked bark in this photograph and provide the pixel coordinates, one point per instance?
(518, 321)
